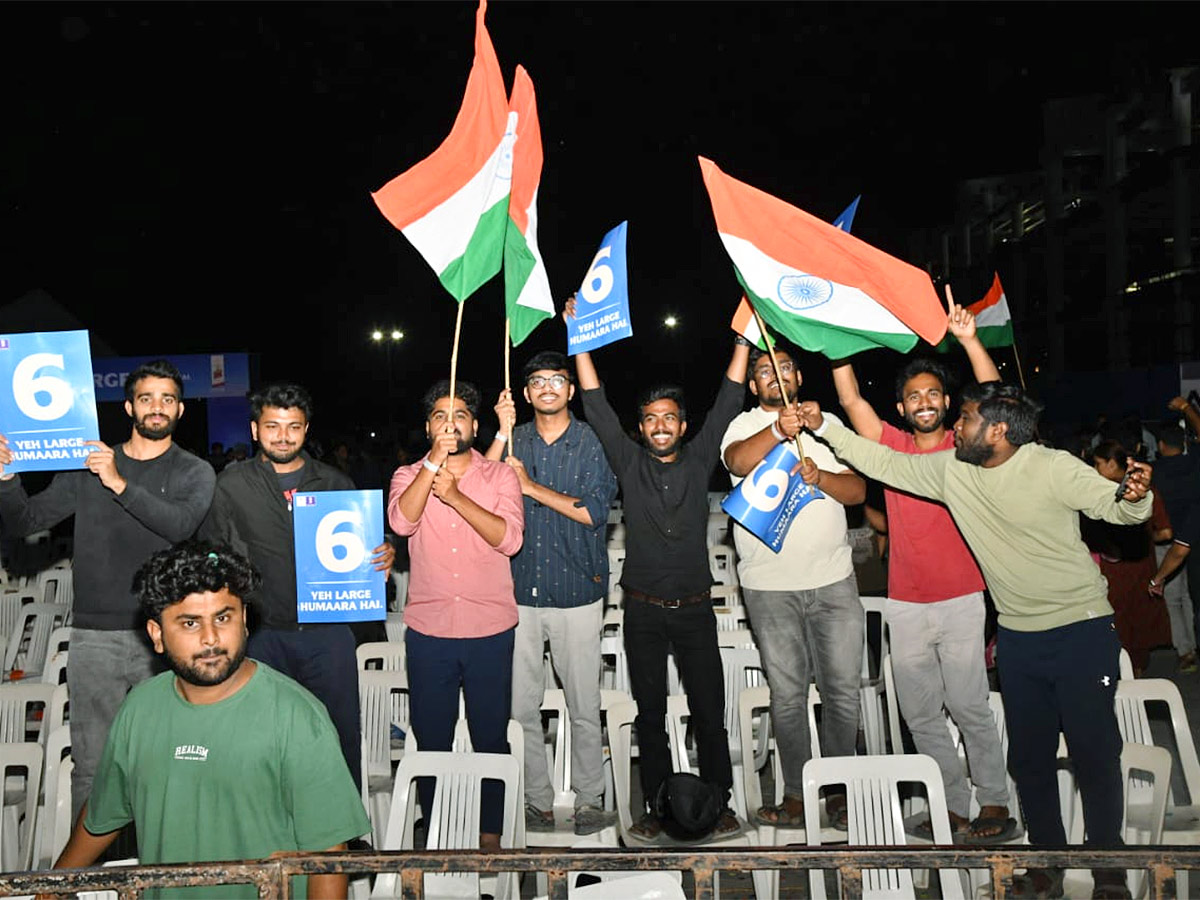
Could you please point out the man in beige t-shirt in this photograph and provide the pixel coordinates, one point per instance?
(803, 601)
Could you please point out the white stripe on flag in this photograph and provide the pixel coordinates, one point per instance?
(797, 293)
(442, 234)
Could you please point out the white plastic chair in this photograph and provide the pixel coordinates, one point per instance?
(616, 564)
(394, 627)
(726, 595)
(736, 637)
(717, 531)
(30, 637)
(54, 818)
(1143, 812)
(872, 692)
(11, 601)
(382, 701)
(56, 585)
(25, 707)
(55, 671)
(875, 817)
(453, 822)
(21, 777)
(620, 736)
(380, 655)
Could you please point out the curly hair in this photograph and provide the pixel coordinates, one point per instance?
(196, 567)
(463, 390)
(280, 396)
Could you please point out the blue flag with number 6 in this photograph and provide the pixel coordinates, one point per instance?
(766, 501)
(602, 301)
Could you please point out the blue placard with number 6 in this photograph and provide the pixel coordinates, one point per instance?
(766, 501)
(335, 534)
(602, 301)
(47, 399)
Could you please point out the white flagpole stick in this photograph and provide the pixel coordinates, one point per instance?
(507, 381)
(778, 375)
(454, 358)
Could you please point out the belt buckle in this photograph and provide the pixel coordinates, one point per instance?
(672, 604)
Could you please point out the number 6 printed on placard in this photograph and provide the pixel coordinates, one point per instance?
(329, 540)
(603, 274)
(28, 384)
(757, 488)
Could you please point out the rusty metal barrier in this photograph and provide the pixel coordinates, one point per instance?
(271, 875)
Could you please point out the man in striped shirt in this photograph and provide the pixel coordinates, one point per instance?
(560, 576)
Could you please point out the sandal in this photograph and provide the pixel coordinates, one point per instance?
(788, 814)
(993, 818)
(646, 829)
(835, 808)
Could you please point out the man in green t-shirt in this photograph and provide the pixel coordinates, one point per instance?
(222, 758)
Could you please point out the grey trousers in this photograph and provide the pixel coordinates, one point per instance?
(1179, 606)
(101, 668)
(574, 636)
(802, 635)
(937, 661)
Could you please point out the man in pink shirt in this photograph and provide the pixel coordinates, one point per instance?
(464, 518)
(935, 610)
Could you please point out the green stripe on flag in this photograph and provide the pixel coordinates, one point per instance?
(833, 341)
(519, 263)
(991, 337)
(482, 258)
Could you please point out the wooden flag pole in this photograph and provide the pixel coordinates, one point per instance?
(1017, 359)
(454, 359)
(508, 429)
(778, 375)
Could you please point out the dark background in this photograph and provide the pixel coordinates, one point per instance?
(196, 177)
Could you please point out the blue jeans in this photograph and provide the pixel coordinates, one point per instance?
(482, 668)
(101, 668)
(802, 634)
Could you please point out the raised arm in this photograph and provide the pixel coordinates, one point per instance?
(961, 324)
(862, 415)
(506, 421)
(1181, 405)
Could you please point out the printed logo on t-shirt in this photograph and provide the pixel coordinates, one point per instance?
(191, 751)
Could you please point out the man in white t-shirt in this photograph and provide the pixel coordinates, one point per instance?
(803, 601)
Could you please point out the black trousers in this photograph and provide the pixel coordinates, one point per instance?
(692, 630)
(1064, 679)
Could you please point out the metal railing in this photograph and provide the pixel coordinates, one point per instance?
(271, 877)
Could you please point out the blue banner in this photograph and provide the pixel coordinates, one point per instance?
(766, 501)
(204, 374)
(47, 401)
(602, 301)
(335, 533)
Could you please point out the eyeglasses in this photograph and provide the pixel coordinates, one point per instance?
(558, 382)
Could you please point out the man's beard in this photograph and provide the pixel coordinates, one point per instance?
(205, 677)
(668, 450)
(912, 420)
(155, 433)
(976, 453)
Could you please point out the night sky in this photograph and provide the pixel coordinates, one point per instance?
(196, 177)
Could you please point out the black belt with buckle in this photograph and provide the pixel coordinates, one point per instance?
(673, 602)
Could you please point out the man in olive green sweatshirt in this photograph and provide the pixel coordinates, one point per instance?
(1017, 504)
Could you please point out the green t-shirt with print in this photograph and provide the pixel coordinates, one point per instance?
(258, 772)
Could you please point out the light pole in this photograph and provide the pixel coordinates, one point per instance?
(388, 337)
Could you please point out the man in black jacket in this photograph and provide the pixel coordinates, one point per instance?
(252, 512)
(131, 501)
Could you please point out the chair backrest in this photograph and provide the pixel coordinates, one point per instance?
(754, 703)
(24, 708)
(382, 702)
(453, 822)
(743, 669)
(722, 563)
(393, 626)
(718, 527)
(30, 637)
(736, 637)
(46, 847)
(620, 740)
(11, 602)
(380, 655)
(558, 749)
(1124, 665)
(1137, 759)
(58, 713)
(726, 594)
(55, 671)
(1134, 723)
(875, 814)
(56, 585)
(23, 762)
(874, 621)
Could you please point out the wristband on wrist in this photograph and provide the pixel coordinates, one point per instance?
(432, 467)
(741, 341)
(779, 435)
(501, 437)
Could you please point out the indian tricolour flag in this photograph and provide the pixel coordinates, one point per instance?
(453, 205)
(819, 286)
(993, 321)
(527, 297)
